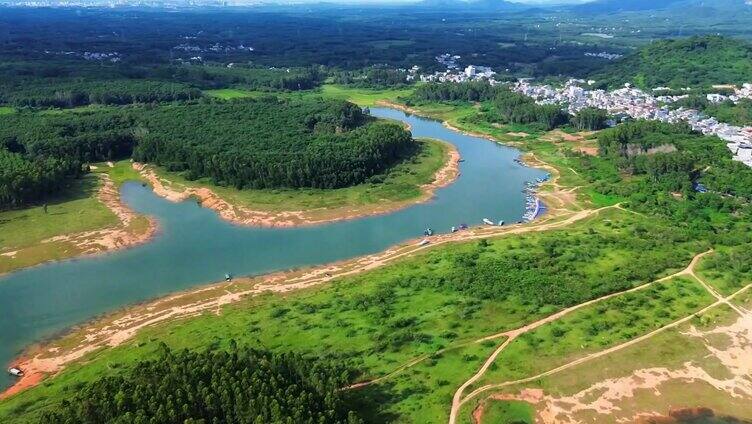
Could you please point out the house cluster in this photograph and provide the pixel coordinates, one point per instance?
(214, 48)
(113, 57)
(454, 73)
(605, 55)
(630, 102)
(745, 92)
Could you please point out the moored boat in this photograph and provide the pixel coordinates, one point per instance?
(488, 221)
(15, 371)
(424, 242)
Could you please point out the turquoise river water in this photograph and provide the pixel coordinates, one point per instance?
(195, 247)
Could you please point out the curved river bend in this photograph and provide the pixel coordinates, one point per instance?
(195, 247)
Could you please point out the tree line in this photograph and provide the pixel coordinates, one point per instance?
(242, 385)
(509, 107)
(68, 94)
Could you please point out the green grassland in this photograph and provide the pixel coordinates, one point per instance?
(377, 321)
(728, 269)
(511, 412)
(672, 349)
(75, 210)
(597, 327)
(400, 184)
(232, 93)
(6, 110)
(359, 96)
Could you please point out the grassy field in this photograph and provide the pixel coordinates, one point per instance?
(511, 412)
(232, 93)
(360, 96)
(728, 269)
(401, 184)
(671, 350)
(6, 110)
(598, 327)
(75, 210)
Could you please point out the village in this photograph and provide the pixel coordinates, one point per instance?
(630, 102)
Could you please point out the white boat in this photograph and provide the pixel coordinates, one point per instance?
(454, 229)
(501, 223)
(424, 242)
(228, 277)
(16, 372)
(488, 221)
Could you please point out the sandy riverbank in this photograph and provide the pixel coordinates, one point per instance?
(112, 238)
(242, 215)
(131, 230)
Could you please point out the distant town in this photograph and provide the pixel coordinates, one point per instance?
(631, 102)
(623, 103)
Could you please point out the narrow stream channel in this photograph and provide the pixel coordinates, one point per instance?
(195, 247)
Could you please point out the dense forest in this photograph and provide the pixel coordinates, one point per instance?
(67, 94)
(509, 107)
(240, 386)
(590, 119)
(270, 143)
(71, 83)
(690, 62)
(517, 108)
(253, 143)
(657, 167)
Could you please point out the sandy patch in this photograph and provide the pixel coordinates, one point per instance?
(518, 134)
(112, 238)
(10, 254)
(588, 150)
(604, 397)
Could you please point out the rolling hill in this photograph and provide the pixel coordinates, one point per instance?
(690, 62)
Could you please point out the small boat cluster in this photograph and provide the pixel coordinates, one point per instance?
(429, 232)
(533, 206)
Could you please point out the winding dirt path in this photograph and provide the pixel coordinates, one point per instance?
(458, 400)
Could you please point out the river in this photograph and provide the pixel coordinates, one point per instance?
(195, 247)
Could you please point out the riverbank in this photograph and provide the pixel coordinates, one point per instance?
(117, 328)
(96, 222)
(412, 184)
(51, 357)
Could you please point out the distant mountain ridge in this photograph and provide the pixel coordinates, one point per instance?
(473, 5)
(615, 6)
